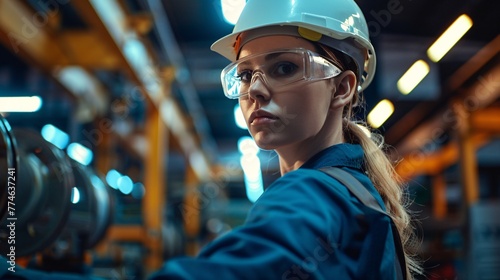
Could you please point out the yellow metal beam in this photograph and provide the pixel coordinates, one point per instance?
(468, 160)
(118, 32)
(22, 31)
(191, 212)
(484, 124)
(90, 15)
(474, 64)
(88, 50)
(439, 203)
(421, 163)
(154, 181)
(125, 233)
(29, 35)
(487, 120)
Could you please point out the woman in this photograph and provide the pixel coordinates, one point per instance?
(298, 69)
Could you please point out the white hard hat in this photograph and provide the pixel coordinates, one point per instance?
(339, 24)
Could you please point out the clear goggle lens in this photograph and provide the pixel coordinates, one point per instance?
(278, 69)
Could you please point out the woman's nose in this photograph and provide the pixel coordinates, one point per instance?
(259, 89)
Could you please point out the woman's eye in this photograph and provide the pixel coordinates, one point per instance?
(284, 69)
(245, 76)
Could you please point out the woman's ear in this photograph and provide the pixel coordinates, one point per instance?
(346, 88)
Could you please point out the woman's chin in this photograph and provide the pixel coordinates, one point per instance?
(263, 143)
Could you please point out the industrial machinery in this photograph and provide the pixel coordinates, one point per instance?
(50, 204)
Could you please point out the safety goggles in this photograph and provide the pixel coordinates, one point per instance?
(279, 70)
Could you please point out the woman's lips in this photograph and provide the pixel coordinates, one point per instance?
(261, 117)
(262, 120)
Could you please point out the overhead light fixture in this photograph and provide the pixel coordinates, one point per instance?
(55, 136)
(112, 16)
(239, 119)
(125, 184)
(138, 191)
(380, 113)
(76, 79)
(252, 172)
(199, 164)
(254, 187)
(247, 146)
(80, 153)
(449, 38)
(21, 104)
(231, 9)
(413, 76)
(112, 178)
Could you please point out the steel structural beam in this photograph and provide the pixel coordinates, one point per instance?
(117, 33)
(484, 125)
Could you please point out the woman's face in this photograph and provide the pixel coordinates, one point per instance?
(278, 117)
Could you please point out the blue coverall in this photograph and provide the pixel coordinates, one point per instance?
(306, 225)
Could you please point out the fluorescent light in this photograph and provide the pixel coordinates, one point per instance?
(112, 16)
(25, 104)
(380, 113)
(239, 119)
(231, 9)
(250, 163)
(247, 146)
(138, 191)
(413, 76)
(125, 184)
(80, 153)
(136, 54)
(76, 79)
(55, 136)
(449, 38)
(251, 166)
(254, 188)
(112, 178)
(252, 176)
(199, 164)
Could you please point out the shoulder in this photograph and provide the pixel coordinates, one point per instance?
(308, 183)
(306, 193)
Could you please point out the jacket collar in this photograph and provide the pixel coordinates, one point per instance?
(340, 155)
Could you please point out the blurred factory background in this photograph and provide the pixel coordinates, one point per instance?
(129, 154)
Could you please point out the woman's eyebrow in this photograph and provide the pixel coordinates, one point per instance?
(273, 55)
(267, 57)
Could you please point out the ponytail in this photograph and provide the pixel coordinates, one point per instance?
(380, 169)
(385, 179)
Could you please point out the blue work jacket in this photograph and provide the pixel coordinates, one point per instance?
(306, 225)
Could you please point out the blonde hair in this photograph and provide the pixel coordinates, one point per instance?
(379, 168)
(387, 182)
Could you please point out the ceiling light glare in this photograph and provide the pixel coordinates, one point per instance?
(449, 38)
(231, 9)
(80, 153)
(239, 119)
(125, 184)
(112, 178)
(380, 113)
(55, 136)
(413, 76)
(21, 104)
